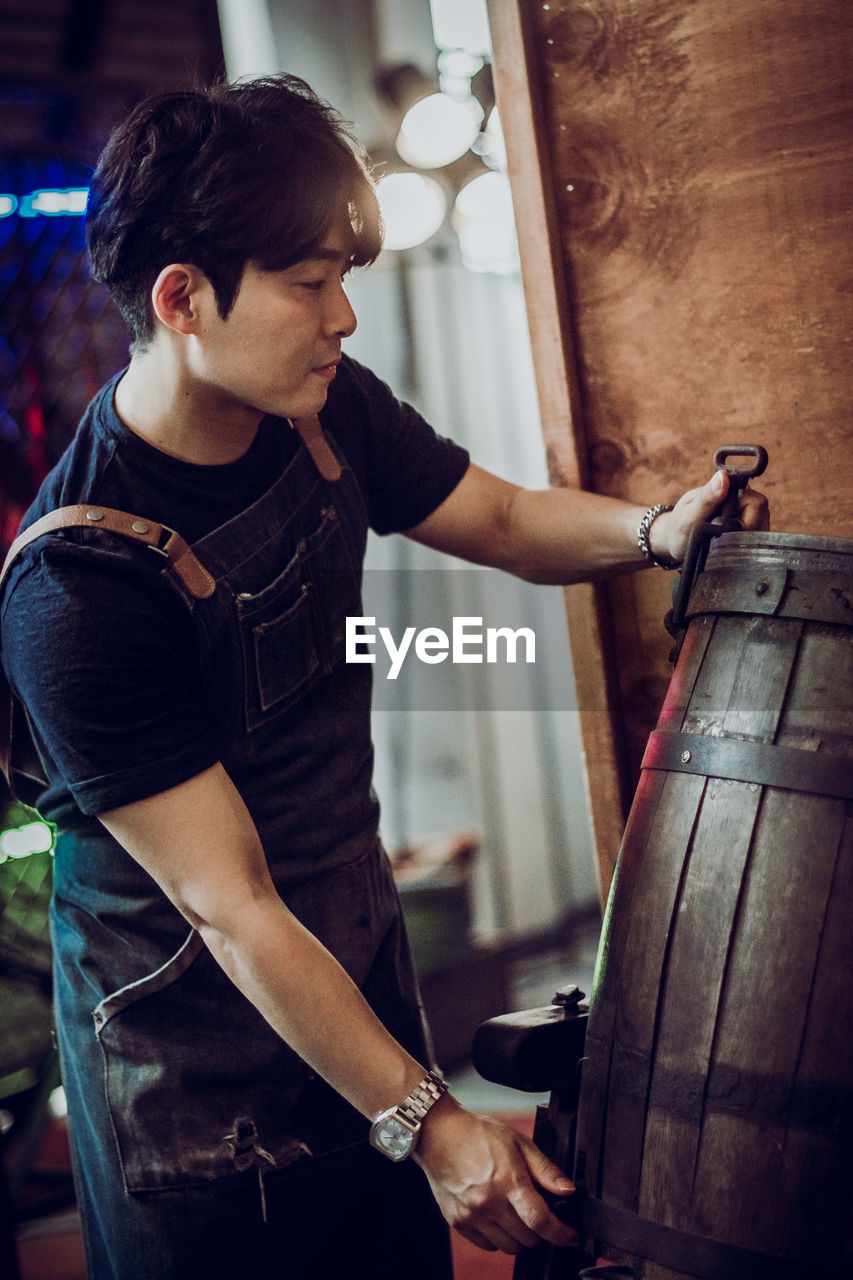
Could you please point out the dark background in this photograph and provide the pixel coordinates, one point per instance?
(69, 69)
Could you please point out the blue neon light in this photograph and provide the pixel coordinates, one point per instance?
(54, 202)
(46, 202)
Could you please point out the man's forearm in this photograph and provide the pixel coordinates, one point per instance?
(199, 843)
(562, 536)
(309, 999)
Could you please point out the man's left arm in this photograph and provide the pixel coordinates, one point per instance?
(561, 536)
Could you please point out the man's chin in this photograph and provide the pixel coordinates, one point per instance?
(306, 406)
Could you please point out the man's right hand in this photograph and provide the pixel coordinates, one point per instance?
(487, 1179)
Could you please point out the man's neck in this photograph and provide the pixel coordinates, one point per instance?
(158, 400)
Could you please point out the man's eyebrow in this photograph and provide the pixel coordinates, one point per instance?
(326, 255)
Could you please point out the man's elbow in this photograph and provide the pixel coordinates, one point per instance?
(224, 915)
(238, 939)
(508, 543)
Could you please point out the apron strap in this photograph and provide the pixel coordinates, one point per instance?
(159, 537)
(318, 446)
(165, 541)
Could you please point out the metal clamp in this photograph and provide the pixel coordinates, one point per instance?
(726, 521)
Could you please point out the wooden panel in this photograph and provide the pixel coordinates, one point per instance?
(697, 156)
(546, 292)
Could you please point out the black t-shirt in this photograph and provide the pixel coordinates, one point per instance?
(100, 648)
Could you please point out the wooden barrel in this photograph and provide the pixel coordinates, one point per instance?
(716, 1110)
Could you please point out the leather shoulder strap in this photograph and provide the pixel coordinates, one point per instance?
(159, 537)
(318, 446)
(182, 561)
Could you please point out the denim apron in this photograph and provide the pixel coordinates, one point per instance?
(174, 1080)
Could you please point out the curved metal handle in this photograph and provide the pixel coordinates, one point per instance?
(756, 451)
(738, 476)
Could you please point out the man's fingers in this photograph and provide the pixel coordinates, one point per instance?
(521, 1220)
(508, 1241)
(475, 1237)
(670, 533)
(754, 510)
(542, 1224)
(532, 1210)
(703, 503)
(497, 1230)
(545, 1172)
(524, 1221)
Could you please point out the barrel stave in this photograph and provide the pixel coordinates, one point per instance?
(744, 1188)
(631, 960)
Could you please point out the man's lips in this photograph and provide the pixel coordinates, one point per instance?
(327, 370)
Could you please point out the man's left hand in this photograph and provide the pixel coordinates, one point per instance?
(670, 532)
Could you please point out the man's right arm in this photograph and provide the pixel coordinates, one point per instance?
(199, 843)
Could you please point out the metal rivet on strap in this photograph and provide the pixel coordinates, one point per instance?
(94, 514)
(140, 526)
(686, 757)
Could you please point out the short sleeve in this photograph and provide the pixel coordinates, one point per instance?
(101, 650)
(407, 468)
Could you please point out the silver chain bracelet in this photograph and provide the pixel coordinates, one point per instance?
(643, 535)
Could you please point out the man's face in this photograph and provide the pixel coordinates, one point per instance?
(277, 350)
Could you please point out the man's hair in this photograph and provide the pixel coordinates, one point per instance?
(257, 171)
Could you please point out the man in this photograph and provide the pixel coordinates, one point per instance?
(235, 998)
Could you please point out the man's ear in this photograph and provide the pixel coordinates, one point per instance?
(177, 296)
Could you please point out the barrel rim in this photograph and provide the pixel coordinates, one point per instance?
(756, 538)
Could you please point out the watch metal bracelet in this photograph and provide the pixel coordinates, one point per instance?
(423, 1097)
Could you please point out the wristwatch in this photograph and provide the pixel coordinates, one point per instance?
(395, 1132)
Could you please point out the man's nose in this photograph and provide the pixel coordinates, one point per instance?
(342, 319)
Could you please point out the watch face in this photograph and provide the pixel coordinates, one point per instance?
(392, 1138)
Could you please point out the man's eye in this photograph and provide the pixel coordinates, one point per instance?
(312, 284)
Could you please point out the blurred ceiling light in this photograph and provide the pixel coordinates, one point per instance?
(456, 69)
(438, 130)
(484, 221)
(490, 146)
(458, 63)
(413, 208)
(461, 24)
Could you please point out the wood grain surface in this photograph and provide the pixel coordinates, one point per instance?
(718, 1071)
(693, 162)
